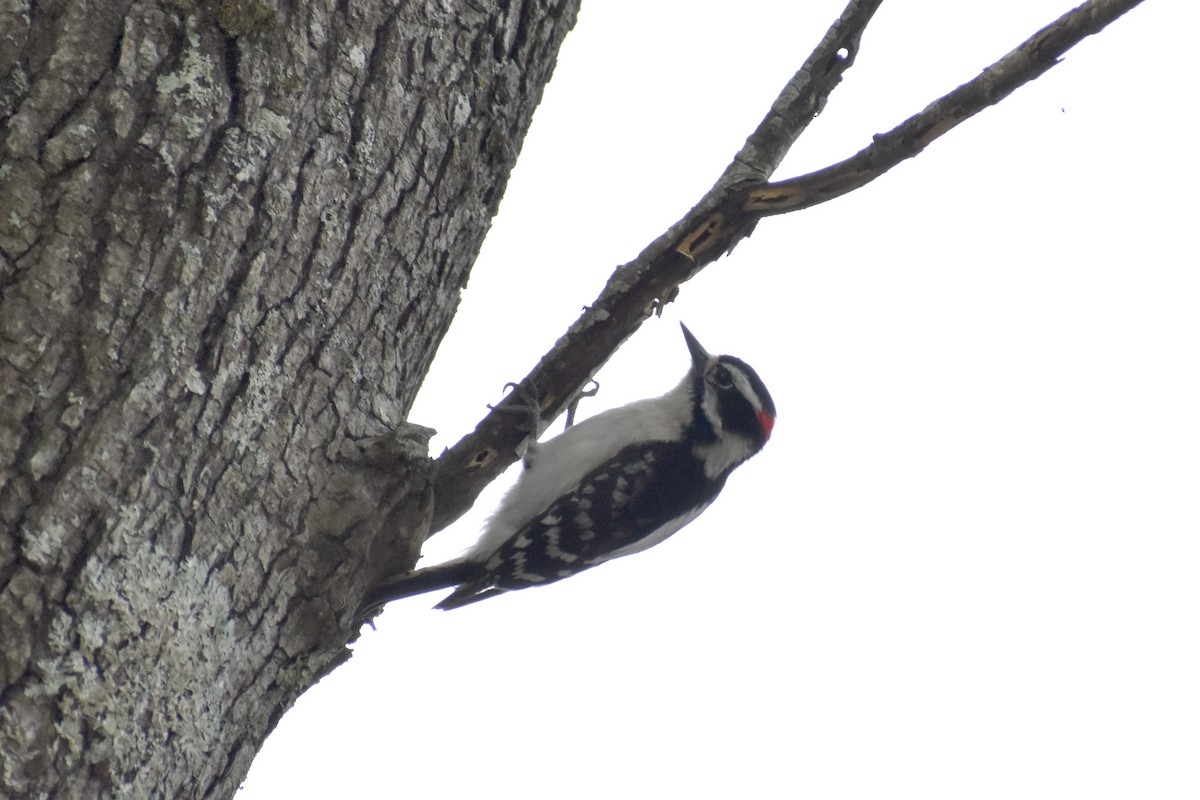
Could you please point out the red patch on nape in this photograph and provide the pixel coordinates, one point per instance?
(767, 422)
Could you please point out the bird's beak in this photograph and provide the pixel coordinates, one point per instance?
(700, 356)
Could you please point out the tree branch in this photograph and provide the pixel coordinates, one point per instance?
(802, 98)
(1030, 60)
(728, 213)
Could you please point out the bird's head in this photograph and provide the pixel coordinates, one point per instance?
(733, 413)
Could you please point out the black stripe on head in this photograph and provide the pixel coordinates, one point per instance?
(701, 426)
(738, 413)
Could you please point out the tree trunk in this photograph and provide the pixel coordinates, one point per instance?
(233, 235)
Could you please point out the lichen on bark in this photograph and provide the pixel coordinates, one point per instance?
(229, 246)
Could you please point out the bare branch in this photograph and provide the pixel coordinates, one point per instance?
(802, 99)
(1035, 56)
(728, 213)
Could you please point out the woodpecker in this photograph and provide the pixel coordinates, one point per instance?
(615, 484)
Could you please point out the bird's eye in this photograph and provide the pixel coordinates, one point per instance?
(722, 377)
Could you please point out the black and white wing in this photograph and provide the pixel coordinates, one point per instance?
(638, 498)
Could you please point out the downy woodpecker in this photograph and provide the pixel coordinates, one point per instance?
(617, 483)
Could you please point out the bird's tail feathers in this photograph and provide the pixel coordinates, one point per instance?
(420, 581)
(465, 595)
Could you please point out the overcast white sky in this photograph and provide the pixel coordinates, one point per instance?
(968, 563)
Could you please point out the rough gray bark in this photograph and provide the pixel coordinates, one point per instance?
(232, 235)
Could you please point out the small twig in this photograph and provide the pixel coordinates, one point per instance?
(1031, 59)
(802, 98)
